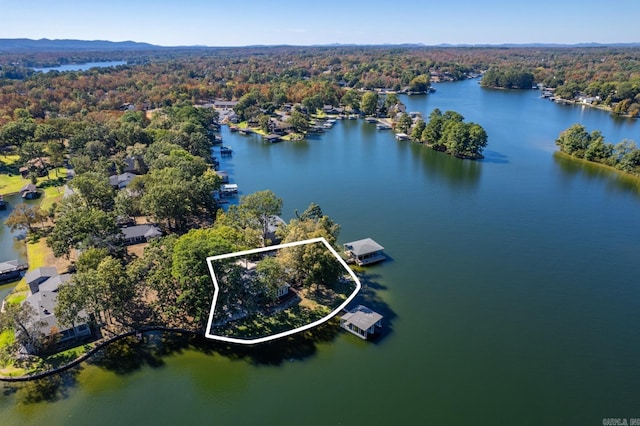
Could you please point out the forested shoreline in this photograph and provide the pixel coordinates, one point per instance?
(154, 117)
(577, 142)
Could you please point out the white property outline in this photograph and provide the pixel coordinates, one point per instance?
(210, 260)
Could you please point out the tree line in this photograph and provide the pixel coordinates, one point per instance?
(508, 78)
(579, 143)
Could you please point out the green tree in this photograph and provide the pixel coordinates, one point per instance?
(55, 150)
(432, 132)
(89, 259)
(71, 302)
(255, 211)
(420, 83)
(351, 99)
(264, 121)
(95, 190)
(310, 263)
(78, 226)
(24, 216)
(404, 123)
(20, 317)
(191, 272)
(299, 121)
(15, 133)
(574, 141)
(369, 103)
(418, 129)
(271, 276)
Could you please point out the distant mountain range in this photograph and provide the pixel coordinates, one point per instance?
(44, 44)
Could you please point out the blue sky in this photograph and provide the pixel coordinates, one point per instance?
(248, 22)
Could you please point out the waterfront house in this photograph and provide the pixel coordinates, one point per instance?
(44, 300)
(364, 252)
(38, 276)
(140, 233)
(361, 321)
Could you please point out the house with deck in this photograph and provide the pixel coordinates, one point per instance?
(44, 284)
(364, 252)
(361, 321)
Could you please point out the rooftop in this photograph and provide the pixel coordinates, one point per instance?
(137, 231)
(44, 271)
(362, 317)
(361, 247)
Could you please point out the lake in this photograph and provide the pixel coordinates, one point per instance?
(81, 67)
(510, 294)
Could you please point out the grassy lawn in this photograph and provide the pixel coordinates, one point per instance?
(9, 160)
(11, 183)
(7, 337)
(64, 357)
(37, 253)
(52, 194)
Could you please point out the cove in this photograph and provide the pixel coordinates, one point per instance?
(510, 295)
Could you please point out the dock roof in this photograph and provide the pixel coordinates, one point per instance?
(362, 317)
(364, 246)
(8, 265)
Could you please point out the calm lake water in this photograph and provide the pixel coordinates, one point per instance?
(511, 294)
(81, 67)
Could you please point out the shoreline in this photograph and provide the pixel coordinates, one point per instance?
(99, 346)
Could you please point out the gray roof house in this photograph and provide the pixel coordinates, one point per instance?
(38, 276)
(140, 233)
(121, 181)
(44, 302)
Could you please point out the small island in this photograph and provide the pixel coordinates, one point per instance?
(447, 132)
(509, 78)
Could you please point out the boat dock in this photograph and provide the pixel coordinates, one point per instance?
(364, 252)
(11, 270)
(361, 321)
